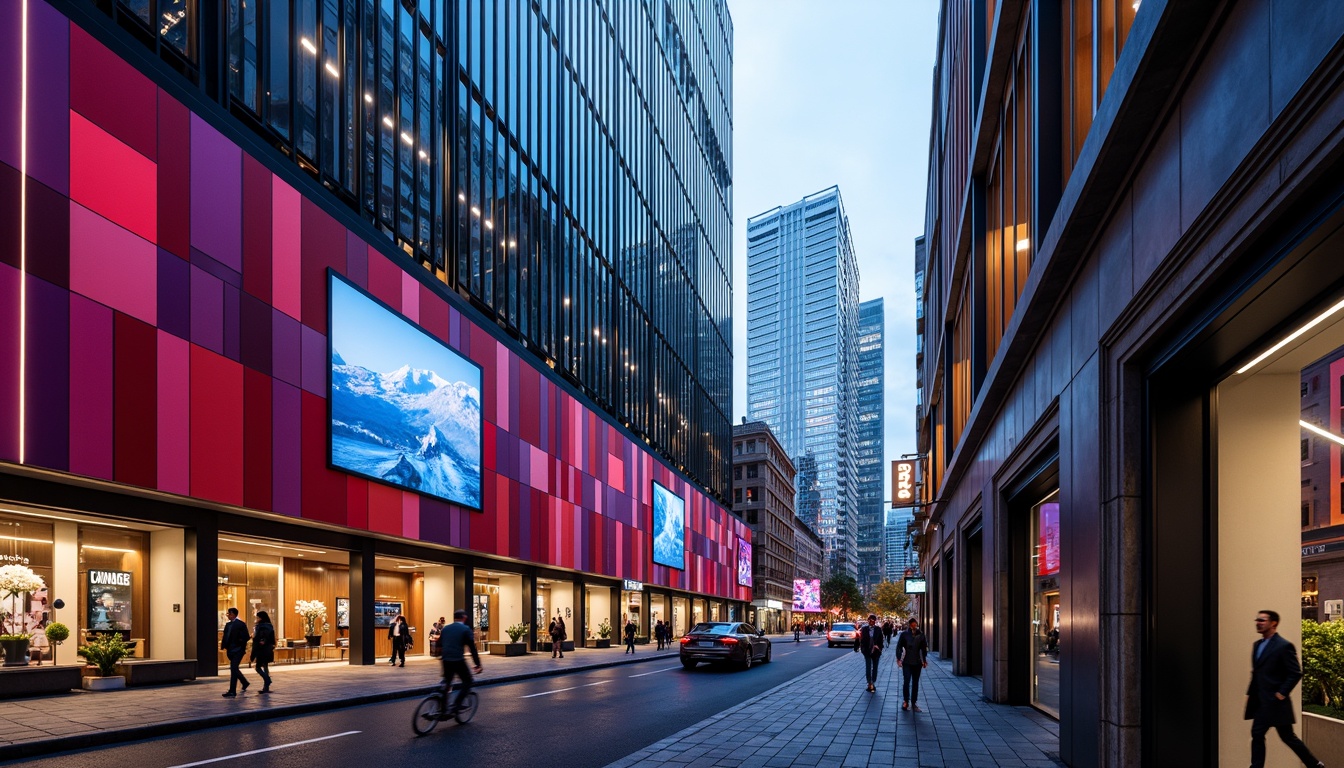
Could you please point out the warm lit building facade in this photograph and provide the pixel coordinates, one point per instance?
(1131, 209)
(802, 358)
(536, 197)
(763, 498)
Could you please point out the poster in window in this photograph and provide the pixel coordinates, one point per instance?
(1049, 542)
(342, 613)
(109, 600)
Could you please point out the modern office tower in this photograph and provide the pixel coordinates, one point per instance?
(1132, 299)
(897, 554)
(871, 443)
(317, 295)
(802, 358)
(763, 498)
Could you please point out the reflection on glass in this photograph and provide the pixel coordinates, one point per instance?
(1047, 633)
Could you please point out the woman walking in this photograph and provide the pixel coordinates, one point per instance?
(263, 649)
(400, 635)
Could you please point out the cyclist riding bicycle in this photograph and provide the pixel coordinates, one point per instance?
(454, 641)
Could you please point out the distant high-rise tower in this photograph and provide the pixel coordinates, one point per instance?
(870, 443)
(802, 358)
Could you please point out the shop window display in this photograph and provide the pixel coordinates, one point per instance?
(1047, 633)
(114, 576)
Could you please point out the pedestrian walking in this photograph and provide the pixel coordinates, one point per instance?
(870, 645)
(887, 629)
(660, 631)
(263, 649)
(629, 636)
(797, 632)
(435, 633)
(912, 653)
(234, 645)
(400, 635)
(1274, 673)
(564, 634)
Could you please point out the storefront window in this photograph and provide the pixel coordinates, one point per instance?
(633, 603)
(114, 572)
(27, 543)
(1045, 605)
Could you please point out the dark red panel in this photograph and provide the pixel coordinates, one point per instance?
(529, 404)
(256, 439)
(48, 234)
(9, 215)
(110, 92)
(174, 171)
(433, 313)
(357, 502)
(384, 509)
(323, 246)
(385, 280)
(135, 408)
(216, 427)
(323, 489)
(256, 229)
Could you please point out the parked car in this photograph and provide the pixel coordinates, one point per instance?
(842, 634)
(724, 641)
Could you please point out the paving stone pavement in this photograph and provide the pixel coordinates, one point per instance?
(81, 719)
(825, 717)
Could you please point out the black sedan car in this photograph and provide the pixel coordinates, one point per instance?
(724, 641)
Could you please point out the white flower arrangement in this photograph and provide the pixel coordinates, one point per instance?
(312, 612)
(16, 580)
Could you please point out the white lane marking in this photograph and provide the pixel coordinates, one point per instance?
(267, 749)
(786, 653)
(656, 671)
(562, 690)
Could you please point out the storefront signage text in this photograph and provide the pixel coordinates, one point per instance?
(1321, 549)
(20, 559)
(774, 605)
(902, 483)
(916, 585)
(114, 578)
(633, 586)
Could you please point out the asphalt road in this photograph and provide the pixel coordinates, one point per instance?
(588, 718)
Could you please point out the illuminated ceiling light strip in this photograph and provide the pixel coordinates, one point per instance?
(105, 549)
(1292, 336)
(58, 517)
(23, 235)
(1327, 434)
(21, 538)
(273, 546)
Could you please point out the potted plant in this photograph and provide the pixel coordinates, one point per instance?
(603, 635)
(16, 580)
(104, 651)
(312, 612)
(57, 633)
(514, 648)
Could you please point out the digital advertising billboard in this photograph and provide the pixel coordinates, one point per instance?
(743, 562)
(916, 585)
(109, 605)
(405, 408)
(669, 528)
(807, 595)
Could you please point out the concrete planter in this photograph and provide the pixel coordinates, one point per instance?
(111, 683)
(601, 642)
(1323, 735)
(507, 649)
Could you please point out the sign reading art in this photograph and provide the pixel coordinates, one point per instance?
(902, 483)
(807, 594)
(109, 600)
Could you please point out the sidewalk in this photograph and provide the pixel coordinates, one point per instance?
(826, 717)
(81, 719)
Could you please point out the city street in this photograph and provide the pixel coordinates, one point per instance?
(589, 717)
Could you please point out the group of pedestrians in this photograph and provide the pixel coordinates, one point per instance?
(912, 653)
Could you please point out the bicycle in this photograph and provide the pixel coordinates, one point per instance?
(429, 713)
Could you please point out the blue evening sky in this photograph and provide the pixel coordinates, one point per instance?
(828, 94)
(368, 335)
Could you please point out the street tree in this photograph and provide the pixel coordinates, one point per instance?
(841, 592)
(889, 599)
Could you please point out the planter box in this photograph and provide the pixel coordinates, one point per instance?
(37, 681)
(506, 649)
(567, 645)
(110, 683)
(1323, 735)
(156, 671)
(601, 642)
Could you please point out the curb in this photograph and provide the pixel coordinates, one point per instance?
(47, 747)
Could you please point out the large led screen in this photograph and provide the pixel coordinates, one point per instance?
(807, 595)
(669, 528)
(743, 562)
(405, 409)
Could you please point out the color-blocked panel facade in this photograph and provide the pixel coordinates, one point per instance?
(192, 332)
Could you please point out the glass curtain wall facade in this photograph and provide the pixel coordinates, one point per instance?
(871, 444)
(565, 166)
(802, 358)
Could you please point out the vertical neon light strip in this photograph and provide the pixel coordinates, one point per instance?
(23, 232)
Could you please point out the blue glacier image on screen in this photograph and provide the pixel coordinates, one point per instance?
(405, 408)
(669, 528)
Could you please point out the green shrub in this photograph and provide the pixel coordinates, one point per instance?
(604, 629)
(104, 651)
(57, 632)
(1323, 663)
(517, 631)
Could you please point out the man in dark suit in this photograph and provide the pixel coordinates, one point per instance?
(1274, 674)
(234, 644)
(870, 645)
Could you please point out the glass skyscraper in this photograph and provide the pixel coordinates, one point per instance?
(565, 166)
(870, 442)
(802, 358)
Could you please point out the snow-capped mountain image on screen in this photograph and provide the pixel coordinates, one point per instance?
(669, 528)
(405, 408)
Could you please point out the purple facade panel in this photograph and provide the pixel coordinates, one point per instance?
(49, 97)
(285, 341)
(174, 295)
(9, 360)
(47, 396)
(207, 310)
(216, 195)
